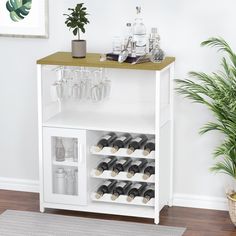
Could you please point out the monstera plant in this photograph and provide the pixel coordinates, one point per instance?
(217, 91)
(18, 9)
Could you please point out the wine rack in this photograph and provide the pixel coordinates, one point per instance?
(122, 152)
(106, 174)
(122, 200)
(138, 177)
(140, 102)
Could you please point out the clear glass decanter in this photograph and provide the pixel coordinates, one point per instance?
(139, 34)
(60, 150)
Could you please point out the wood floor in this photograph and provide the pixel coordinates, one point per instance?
(197, 221)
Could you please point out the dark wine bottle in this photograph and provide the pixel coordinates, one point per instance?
(121, 165)
(136, 167)
(149, 170)
(106, 141)
(136, 190)
(121, 188)
(106, 187)
(137, 143)
(106, 164)
(149, 147)
(149, 193)
(121, 142)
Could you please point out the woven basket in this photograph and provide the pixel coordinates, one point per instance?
(232, 208)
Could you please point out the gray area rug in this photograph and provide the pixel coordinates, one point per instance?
(21, 223)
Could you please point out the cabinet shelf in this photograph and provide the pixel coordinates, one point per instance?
(103, 122)
(65, 163)
(122, 200)
(122, 152)
(122, 176)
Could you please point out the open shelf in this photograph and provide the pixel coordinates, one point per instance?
(103, 122)
(122, 176)
(122, 200)
(122, 152)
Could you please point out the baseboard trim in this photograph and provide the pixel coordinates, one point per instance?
(197, 201)
(23, 185)
(183, 200)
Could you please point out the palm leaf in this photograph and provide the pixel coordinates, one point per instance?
(217, 92)
(18, 9)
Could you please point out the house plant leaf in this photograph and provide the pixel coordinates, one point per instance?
(217, 91)
(18, 9)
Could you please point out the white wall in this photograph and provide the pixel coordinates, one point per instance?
(182, 24)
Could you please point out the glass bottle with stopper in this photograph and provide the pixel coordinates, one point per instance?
(139, 34)
(154, 39)
(60, 150)
(157, 55)
(128, 35)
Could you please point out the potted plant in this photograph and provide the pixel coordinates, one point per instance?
(217, 91)
(77, 20)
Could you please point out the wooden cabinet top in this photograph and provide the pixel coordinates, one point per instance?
(93, 60)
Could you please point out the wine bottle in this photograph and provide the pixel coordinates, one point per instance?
(149, 170)
(106, 187)
(121, 165)
(136, 167)
(149, 147)
(136, 190)
(60, 150)
(149, 193)
(105, 141)
(121, 188)
(106, 164)
(121, 142)
(137, 143)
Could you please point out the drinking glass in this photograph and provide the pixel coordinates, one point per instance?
(117, 45)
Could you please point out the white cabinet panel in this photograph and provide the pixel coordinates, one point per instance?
(64, 161)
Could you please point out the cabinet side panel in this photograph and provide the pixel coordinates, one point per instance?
(165, 163)
(40, 138)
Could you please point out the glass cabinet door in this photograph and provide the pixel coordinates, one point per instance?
(65, 178)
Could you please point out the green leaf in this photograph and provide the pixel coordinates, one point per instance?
(18, 9)
(77, 19)
(217, 91)
(75, 31)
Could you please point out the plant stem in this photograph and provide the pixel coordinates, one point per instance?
(78, 34)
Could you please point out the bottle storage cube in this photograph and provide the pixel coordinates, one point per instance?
(105, 135)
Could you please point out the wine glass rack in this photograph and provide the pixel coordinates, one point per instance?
(140, 102)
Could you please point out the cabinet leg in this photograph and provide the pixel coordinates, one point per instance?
(170, 202)
(42, 209)
(157, 220)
